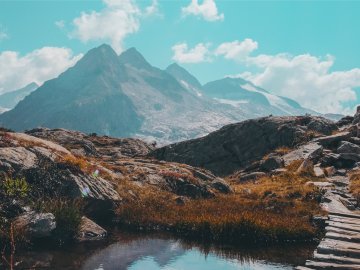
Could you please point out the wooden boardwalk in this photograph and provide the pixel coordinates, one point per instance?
(340, 248)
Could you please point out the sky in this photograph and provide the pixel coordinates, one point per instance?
(305, 50)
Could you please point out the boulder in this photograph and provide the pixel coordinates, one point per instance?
(357, 116)
(311, 151)
(350, 157)
(35, 225)
(90, 231)
(346, 120)
(333, 140)
(252, 176)
(330, 159)
(18, 157)
(348, 147)
(271, 163)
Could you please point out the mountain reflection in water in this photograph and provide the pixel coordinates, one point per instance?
(158, 252)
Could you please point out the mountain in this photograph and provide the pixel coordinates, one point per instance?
(87, 97)
(119, 96)
(185, 78)
(124, 95)
(241, 93)
(10, 99)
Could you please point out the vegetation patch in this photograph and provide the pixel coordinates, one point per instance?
(355, 185)
(278, 208)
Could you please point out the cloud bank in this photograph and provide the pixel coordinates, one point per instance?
(305, 78)
(37, 66)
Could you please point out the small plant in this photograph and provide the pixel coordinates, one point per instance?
(16, 187)
(68, 218)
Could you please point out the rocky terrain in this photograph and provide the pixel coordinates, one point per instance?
(231, 180)
(236, 146)
(104, 172)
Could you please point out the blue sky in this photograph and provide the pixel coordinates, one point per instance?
(306, 50)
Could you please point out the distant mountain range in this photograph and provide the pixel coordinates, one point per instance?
(10, 99)
(126, 96)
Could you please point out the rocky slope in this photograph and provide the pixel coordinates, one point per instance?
(236, 146)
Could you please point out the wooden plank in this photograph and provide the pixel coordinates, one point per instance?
(341, 231)
(326, 265)
(342, 214)
(323, 248)
(345, 220)
(334, 258)
(343, 237)
(344, 226)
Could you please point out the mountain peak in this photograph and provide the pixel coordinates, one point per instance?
(134, 58)
(181, 74)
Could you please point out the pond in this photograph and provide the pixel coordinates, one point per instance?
(130, 251)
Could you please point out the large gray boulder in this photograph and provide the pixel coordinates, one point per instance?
(333, 140)
(90, 231)
(311, 151)
(348, 147)
(236, 146)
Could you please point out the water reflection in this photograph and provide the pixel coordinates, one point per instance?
(160, 252)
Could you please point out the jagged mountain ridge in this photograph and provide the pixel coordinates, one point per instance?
(126, 96)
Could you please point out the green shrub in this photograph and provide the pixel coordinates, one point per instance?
(16, 187)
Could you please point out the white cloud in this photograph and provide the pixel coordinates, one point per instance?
(60, 24)
(207, 10)
(306, 79)
(153, 9)
(182, 54)
(37, 66)
(117, 20)
(237, 50)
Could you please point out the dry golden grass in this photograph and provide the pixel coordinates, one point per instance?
(271, 209)
(283, 150)
(355, 185)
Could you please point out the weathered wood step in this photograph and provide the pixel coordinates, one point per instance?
(303, 268)
(345, 220)
(342, 237)
(326, 265)
(338, 248)
(341, 231)
(334, 258)
(350, 227)
(342, 214)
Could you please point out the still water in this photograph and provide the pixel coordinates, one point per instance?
(158, 252)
